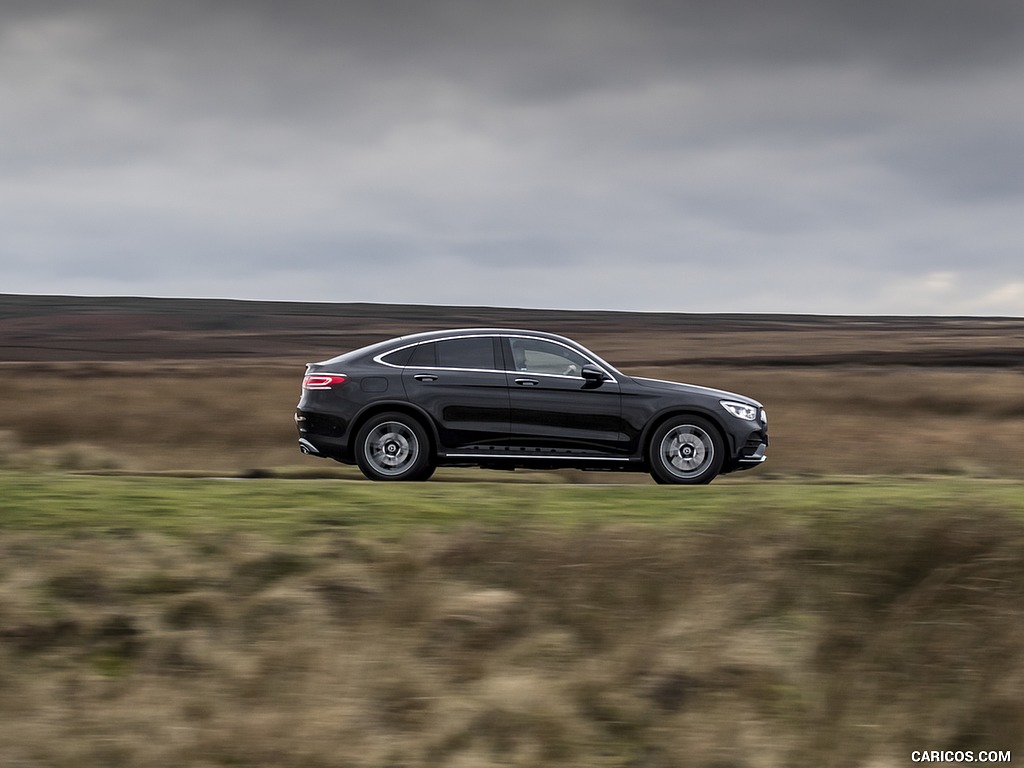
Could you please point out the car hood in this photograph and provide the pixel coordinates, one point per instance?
(693, 389)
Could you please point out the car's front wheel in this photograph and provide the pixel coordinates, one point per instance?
(686, 450)
(393, 446)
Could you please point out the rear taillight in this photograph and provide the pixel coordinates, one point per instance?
(322, 381)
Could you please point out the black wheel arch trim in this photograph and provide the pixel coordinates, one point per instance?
(671, 412)
(395, 406)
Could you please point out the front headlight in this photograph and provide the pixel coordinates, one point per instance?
(740, 410)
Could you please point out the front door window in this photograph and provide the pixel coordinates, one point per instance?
(545, 357)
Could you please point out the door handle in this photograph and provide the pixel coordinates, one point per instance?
(527, 382)
(425, 377)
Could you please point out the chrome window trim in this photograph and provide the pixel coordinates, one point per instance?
(604, 368)
(378, 358)
(439, 368)
(557, 375)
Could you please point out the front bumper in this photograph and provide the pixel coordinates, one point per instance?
(757, 457)
(753, 451)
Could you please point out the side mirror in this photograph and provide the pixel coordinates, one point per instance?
(591, 374)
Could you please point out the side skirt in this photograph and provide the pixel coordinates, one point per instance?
(541, 459)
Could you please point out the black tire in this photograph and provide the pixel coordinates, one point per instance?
(426, 474)
(686, 450)
(393, 446)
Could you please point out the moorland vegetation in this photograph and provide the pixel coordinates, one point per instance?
(858, 597)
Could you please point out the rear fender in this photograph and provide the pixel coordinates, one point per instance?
(382, 406)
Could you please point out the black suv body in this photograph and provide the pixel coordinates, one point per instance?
(502, 399)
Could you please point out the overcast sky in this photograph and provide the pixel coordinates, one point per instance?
(826, 156)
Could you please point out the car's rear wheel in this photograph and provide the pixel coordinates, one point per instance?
(393, 446)
(686, 450)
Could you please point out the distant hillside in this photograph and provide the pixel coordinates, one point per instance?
(64, 328)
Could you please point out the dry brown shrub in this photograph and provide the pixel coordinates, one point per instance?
(193, 416)
(841, 641)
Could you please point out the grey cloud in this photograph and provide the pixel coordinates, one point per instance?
(355, 147)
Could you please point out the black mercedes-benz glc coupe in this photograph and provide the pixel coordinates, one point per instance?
(504, 399)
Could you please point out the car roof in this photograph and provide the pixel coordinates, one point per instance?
(444, 334)
(385, 346)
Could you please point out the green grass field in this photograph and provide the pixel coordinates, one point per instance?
(59, 502)
(314, 623)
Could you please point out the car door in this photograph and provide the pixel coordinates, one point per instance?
(461, 383)
(553, 408)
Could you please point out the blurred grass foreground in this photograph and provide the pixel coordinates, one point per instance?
(159, 621)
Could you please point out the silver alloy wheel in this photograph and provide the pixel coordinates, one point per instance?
(391, 448)
(687, 451)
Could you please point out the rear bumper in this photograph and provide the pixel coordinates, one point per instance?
(322, 436)
(326, 448)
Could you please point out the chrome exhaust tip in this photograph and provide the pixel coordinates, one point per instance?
(307, 447)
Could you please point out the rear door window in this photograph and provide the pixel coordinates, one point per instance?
(424, 356)
(399, 357)
(472, 352)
